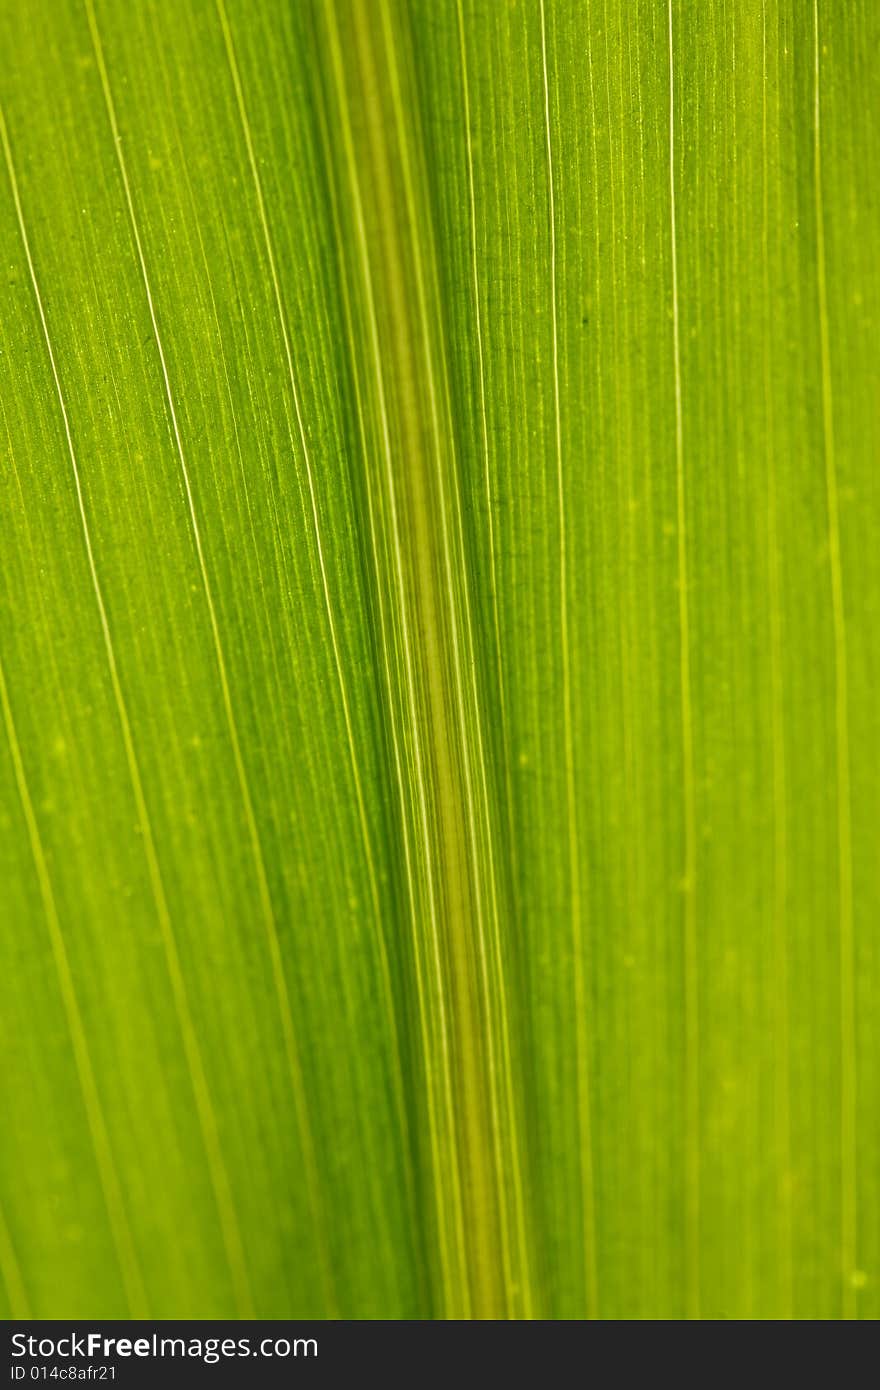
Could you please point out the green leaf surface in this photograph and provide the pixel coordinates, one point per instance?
(439, 596)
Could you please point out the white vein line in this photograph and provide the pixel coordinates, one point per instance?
(582, 1062)
(509, 1087)
(848, 1050)
(692, 1096)
(782, 1060)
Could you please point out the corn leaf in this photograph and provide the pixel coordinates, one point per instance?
(440, 750)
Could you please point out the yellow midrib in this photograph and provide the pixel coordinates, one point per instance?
(476, 1151)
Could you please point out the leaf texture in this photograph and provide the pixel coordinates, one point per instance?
(438, 658)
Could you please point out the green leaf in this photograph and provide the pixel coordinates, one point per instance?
(440, 763)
